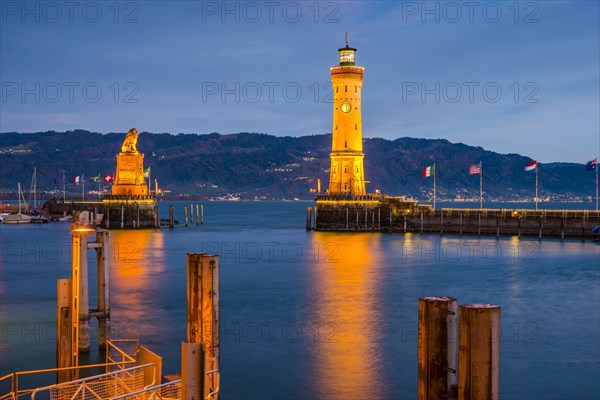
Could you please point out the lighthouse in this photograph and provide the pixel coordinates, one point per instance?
(347, 174)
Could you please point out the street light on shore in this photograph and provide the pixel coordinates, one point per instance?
(78, 232)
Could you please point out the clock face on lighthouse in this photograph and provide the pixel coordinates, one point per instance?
(346, 107)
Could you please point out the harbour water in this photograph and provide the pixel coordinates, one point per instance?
(319, 315)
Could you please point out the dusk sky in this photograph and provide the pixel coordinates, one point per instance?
(509, 77)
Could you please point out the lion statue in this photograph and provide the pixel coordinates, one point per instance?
(129, 145)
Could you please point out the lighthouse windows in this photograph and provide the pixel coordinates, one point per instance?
(355, 89)
(355, 127)
(346, 88)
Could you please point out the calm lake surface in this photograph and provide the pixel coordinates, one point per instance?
(319, 315)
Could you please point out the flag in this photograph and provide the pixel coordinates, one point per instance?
(531, 166)
(428, 171)
(591, 165)
(76, 179)
(109, 178)
(96, 178)
(475, 169)
(147, 172)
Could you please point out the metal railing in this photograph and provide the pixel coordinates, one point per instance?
(117, 359)
(165, 391)
(105, 386)
(116, 355)
(16, 392)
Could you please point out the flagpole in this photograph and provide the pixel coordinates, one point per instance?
(536, 185)
(480, 185)
(82, 188)
(64, 187)
(434, 189)
(149, 186)
(99, 180)
(596, 186)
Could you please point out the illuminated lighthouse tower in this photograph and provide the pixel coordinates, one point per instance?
(347, 174)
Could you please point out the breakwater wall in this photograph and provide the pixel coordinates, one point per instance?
(365, 215)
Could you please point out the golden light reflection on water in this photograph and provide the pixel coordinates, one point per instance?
(345, 293)
(136, 255)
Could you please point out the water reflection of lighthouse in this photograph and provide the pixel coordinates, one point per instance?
(346, 354)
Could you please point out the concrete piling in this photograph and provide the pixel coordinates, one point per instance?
(65, 353)
(193, 371)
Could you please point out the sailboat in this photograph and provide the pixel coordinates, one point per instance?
(18, 218)
(39, 216)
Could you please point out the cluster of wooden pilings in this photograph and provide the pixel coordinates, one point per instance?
(498, 222)
(73, 309)
(472, 331)
(187, 219)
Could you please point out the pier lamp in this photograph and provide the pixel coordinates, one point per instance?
(78, 232)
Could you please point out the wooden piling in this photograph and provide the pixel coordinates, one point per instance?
(460, 221)
(379, 219)
(171, 217)
(441, 222)
(315, 223)
(562, 228)
(541, 227)
(191, 214)
(185, 215)
(197, 210)
(103, 287)
(347, 216)
(437, 347)
(357, 219)
(519, 227)
(137, 221)
(479, 351)
(479, 223)
(421, 221)
(366, 218)
(201, 213)
(498, 226)
(203, 311)
(372, 220)
(308, 218)
(64, 343)
(193, 371)
(404, 225)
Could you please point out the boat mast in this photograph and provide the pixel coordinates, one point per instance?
(19, 196)
(34, 189)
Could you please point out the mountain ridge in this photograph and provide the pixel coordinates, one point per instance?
(263, 166)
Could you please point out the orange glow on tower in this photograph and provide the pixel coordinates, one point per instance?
(347, 174)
